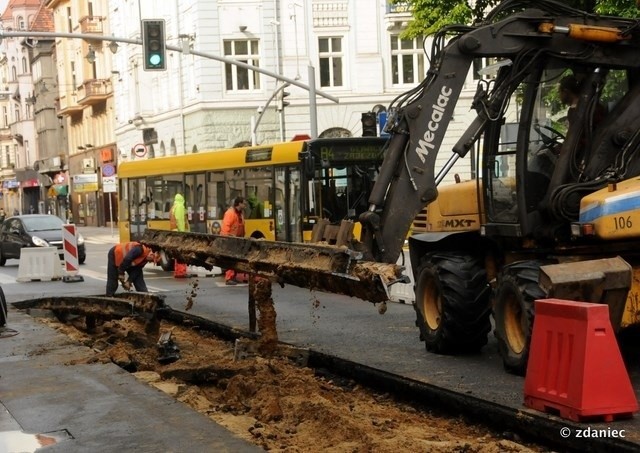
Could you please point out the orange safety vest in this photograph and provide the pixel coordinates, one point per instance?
(232, 223)
(120, 251)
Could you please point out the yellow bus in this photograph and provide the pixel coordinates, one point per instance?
(288, 187)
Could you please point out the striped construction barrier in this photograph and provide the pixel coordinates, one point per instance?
(70, 249)
(39, 264)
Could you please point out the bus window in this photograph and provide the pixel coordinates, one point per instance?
(278, 198)
(215, 196)
(154, 203)
(235, 185)
(137, 208)
(294, 208)
(195, 202)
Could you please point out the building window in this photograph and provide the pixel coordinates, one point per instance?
(5, 116)
(73, 76)
(246, 51)
(20, 22)
(16, 112)
(330, 54)
(25, 69)
(69, 21)
(14, 74)
(407, 61)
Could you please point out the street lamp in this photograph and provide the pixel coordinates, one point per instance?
(91, 55)
(113, 46)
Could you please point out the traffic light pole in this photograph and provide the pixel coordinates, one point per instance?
(311, 88)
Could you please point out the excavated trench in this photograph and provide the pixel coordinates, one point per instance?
(277, 396)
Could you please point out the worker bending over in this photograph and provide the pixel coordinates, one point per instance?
(129, 258)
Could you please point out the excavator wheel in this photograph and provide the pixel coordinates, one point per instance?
(452, 303)
(513, 312)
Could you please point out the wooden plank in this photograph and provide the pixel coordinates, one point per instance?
(345, 233)
(317, 233)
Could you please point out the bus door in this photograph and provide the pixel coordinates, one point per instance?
(137, 208)
(196, 202)
(287, 209)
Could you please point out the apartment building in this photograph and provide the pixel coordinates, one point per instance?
(109, 108)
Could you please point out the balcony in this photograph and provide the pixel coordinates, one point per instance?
(94, 91)
(67, 104)
(91, 25)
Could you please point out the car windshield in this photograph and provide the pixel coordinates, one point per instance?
(42, 223)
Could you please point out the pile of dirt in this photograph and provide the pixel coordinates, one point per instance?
(272, 402)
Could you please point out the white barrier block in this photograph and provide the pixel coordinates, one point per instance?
(403, 292)
(39, 264)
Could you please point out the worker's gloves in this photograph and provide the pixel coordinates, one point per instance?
(125, 283)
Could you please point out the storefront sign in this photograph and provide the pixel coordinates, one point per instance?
(10, 184)
(85, 183)
(30, 183)
(60, 178)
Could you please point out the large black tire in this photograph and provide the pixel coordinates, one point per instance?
(513, 312)
(452, 303)
(3, 260)
(166, 262)
(3, 309)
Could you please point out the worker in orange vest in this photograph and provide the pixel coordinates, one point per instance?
(233, 225)
(128, 258)
(179, 221)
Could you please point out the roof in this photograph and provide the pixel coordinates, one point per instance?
(19, 4)
(43, 20)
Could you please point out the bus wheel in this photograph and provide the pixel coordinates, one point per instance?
(166, 262)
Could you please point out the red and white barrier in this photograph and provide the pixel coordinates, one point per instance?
(70, 248)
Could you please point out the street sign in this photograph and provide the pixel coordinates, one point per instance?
(108, 170)
(109, 184)
(140, 150)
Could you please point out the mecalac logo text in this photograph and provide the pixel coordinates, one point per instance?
(426, 143)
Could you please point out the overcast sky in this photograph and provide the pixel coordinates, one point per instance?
(3, 5)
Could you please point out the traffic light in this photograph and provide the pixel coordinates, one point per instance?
(281, 103)
(153, 45)
(369, 125)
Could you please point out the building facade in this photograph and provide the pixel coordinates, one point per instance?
(92, 104)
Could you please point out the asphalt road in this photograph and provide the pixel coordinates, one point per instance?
(355, 332)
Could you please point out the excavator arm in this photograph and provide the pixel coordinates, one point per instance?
(419, 124)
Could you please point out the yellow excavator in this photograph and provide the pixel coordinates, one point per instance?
(554, 209)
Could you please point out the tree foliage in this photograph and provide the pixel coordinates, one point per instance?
(431, 15)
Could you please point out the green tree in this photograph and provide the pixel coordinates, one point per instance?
(431, 15)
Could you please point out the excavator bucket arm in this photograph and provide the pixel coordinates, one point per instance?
(318, 267)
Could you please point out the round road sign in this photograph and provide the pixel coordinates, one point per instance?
(140, 150)
(108, 170)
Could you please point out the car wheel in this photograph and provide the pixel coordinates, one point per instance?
(3, 260)
(82, 258)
